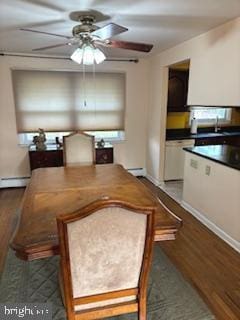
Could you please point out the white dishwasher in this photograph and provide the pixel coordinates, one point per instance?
(174, 158)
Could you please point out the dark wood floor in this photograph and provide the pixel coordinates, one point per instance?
(211, 266)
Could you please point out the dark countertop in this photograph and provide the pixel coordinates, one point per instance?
(201, 135)
(181, 134)
(224, 154)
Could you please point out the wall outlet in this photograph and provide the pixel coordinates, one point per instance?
(194, 163)
(207, 170)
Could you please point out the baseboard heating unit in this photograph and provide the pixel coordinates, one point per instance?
(14, 182)
(137, 172)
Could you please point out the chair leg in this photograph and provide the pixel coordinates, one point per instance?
(142, 310)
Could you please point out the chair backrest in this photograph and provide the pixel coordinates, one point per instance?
(106, 250)
(78, 147)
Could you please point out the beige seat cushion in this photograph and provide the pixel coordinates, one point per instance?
(106, 251)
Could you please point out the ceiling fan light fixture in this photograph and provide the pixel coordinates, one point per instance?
(88, 55)
(77, 55)
(99, 56)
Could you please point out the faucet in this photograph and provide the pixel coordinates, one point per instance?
(217, 127)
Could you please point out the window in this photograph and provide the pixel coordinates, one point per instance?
(108, 136)
(27, 138)
(60, 101)
(208, 115)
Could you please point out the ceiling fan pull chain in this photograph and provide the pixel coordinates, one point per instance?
(84, 87)
(94, 89)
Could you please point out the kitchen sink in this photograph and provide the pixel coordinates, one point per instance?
(226, 133)
(218, 134)
(214, 134)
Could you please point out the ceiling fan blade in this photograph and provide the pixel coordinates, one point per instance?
(44, 5)
(144, 47)
(43, 32)
(108, 31)
(53, 46)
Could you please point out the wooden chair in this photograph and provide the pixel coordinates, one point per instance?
(78, 147)
(106, 252)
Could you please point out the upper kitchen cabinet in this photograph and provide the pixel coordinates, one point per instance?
(177, 90)
(214, 78)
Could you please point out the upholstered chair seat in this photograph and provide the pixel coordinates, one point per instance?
(106, 251)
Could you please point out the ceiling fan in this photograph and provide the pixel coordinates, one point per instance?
(90, 39)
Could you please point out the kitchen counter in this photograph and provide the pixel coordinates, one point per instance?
(183, 135)
(224, 154)
(211, 189)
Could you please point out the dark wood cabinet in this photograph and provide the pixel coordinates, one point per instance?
(210, 141)
(177, 90)
(45, 158)
(231, 140)
(234, 141)
(53, 157)
(104, 155)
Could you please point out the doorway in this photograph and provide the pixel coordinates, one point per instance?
(177, 126)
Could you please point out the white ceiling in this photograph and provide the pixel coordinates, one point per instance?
(164, 23)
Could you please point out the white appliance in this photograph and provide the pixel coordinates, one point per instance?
(174, 158)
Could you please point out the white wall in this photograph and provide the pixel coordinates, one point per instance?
(131, 153)
(214, 80)
(156, 116)
(209, 196)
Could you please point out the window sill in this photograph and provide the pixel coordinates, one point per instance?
(112, 142)
(115, 141)
(23, 145)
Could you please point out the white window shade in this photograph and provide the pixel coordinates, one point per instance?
(67, 101)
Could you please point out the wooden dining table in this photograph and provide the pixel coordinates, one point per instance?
(59, 190)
